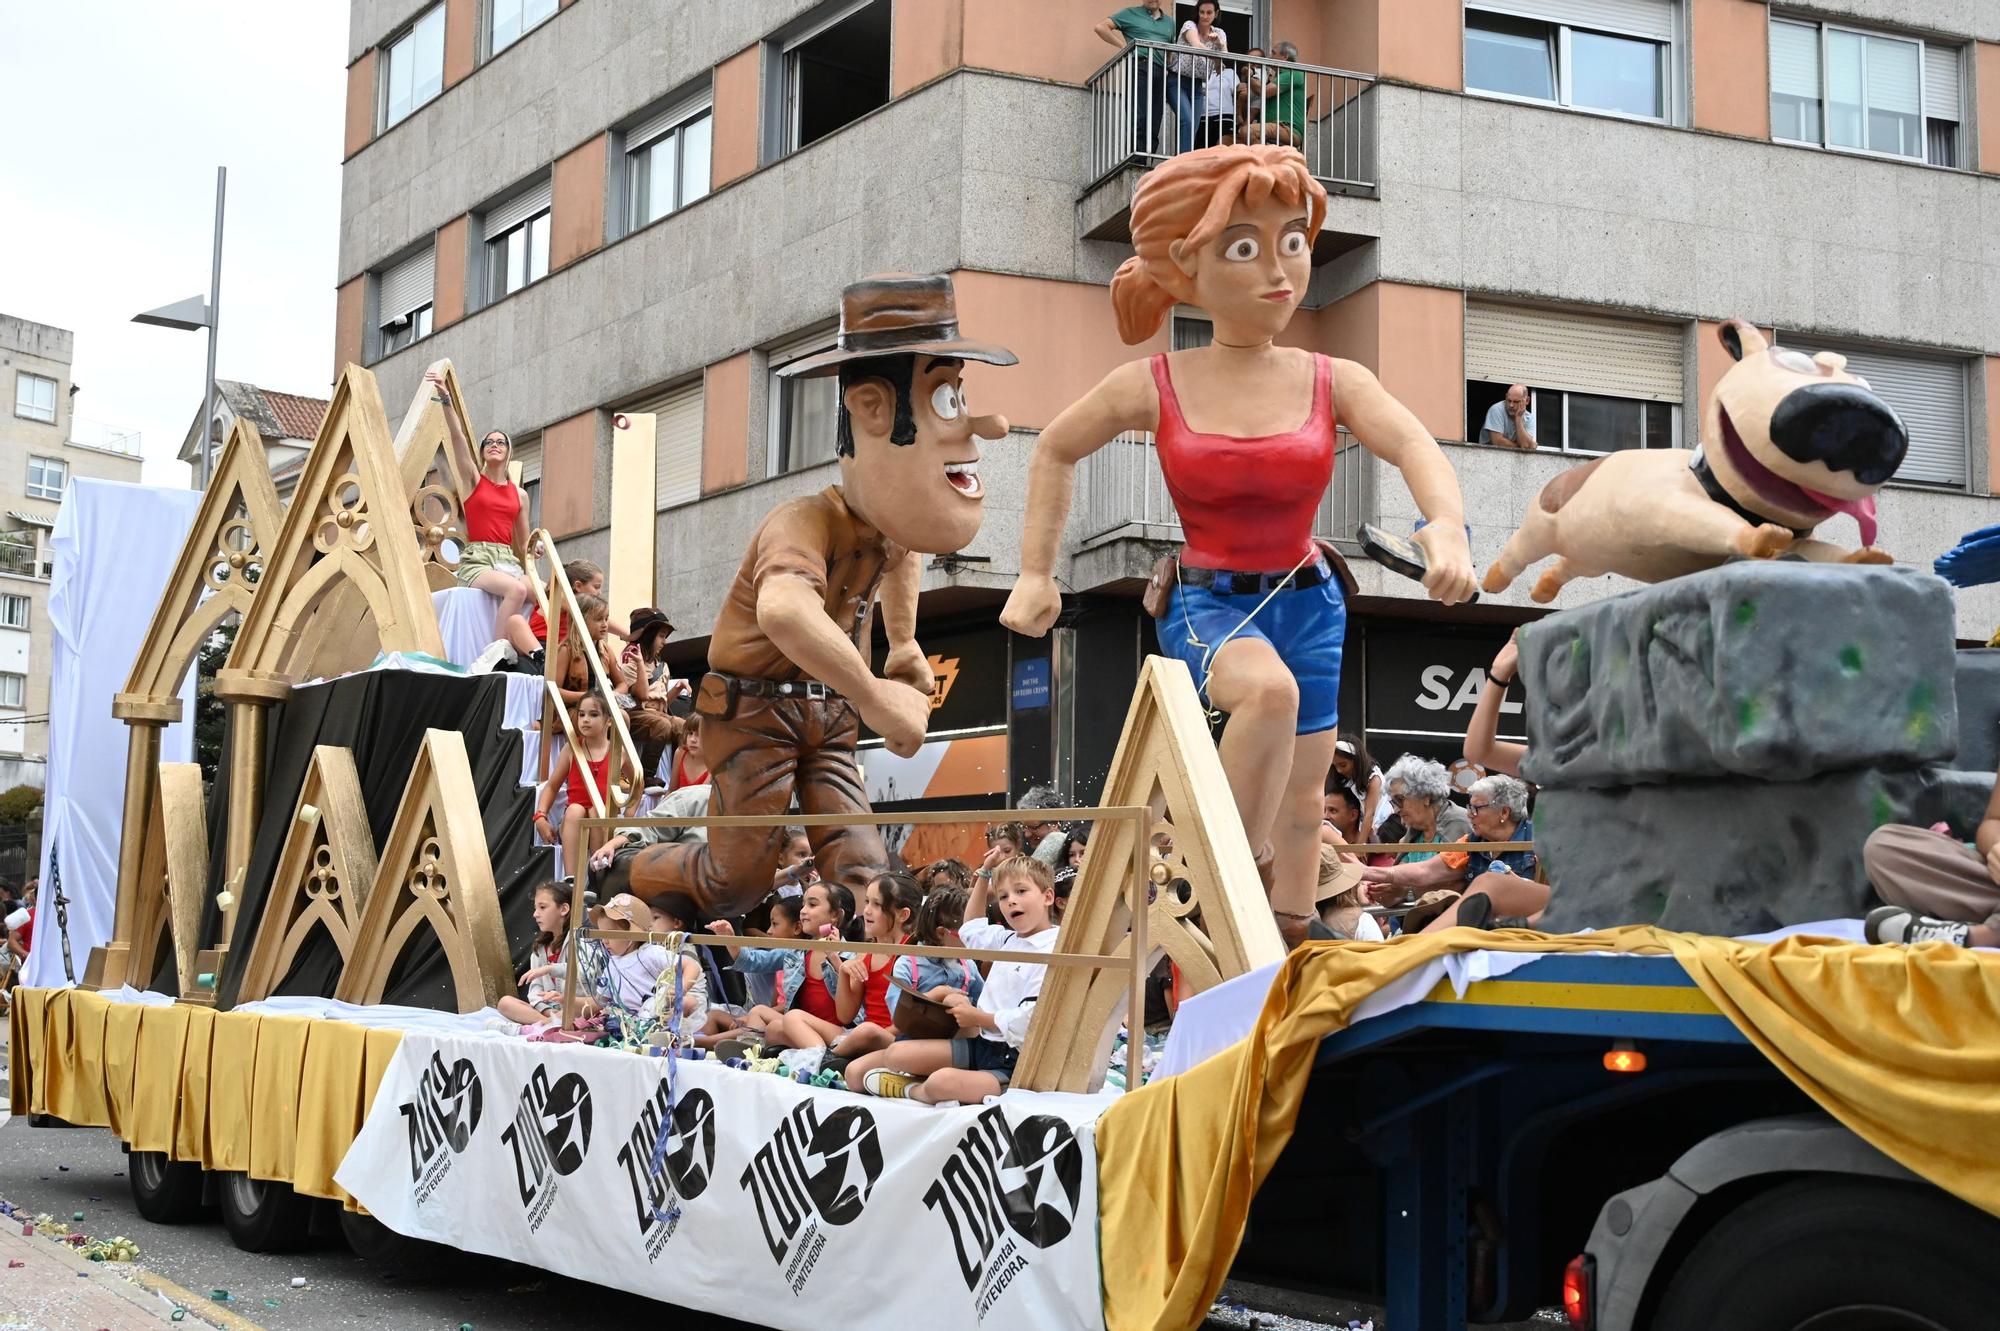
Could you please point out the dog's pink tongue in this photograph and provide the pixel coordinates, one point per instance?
(1861, 510)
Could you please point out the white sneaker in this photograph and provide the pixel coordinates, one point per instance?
(1900, 924)
(502, 1026)
(497, 652)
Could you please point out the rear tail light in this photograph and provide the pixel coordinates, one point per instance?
(1580, 1291)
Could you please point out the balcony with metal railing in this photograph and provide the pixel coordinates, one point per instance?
(1150, 102)
(1124, 499)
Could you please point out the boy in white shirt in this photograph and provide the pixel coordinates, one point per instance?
(980, 1061)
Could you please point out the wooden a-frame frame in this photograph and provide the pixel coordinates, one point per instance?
(1167, 761)
(434, 873)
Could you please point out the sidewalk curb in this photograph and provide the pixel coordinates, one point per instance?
(142, 1289)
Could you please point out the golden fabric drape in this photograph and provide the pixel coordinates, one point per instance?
(278, 1097)
(1900, 1044)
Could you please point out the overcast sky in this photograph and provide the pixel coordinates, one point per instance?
(116, 114)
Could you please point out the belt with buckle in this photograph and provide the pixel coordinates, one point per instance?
(1230, 582)
(809, 689)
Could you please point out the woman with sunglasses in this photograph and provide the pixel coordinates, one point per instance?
(496, 514)
(1496, 888)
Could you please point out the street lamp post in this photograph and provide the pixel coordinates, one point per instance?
(193, 313)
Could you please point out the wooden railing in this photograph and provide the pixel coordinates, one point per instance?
(623, 796)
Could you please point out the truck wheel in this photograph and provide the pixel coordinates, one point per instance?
(164, 1191)
(263, 1216)
(386, 1250)
(1840, 1254)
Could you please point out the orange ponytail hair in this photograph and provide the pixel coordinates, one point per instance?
(1185, 201)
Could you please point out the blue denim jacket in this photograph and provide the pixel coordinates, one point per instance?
(927, 973)
(790, 962)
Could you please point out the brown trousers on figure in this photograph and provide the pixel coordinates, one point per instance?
(1932, 875)
(758, 759)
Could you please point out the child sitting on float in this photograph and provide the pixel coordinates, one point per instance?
(632, 968)
(936, 925)
(824, 911)
(554, 948)
(593, 737)
(979, 1062)
(890, 904)
(676, 913)
(764, 976)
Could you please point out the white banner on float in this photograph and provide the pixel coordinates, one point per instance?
(776, 1203)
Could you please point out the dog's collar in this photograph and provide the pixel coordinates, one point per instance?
(1699, 466)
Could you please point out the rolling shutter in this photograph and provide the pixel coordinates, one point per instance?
(1579, 353)
(506, 216)
(1641, 18)
(1928, 392)
(406, 286)
(677, 421)
(1795, 59)
(528, 452)
(653, 126)
(1941, 73)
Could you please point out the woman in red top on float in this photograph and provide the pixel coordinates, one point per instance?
(1245, 434)
(496, 514)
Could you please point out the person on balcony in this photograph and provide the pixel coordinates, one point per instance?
(1195, 76)
(1245, 433)
(1288, 102)
(1147, 91)
(496, 513)
(1509, 422)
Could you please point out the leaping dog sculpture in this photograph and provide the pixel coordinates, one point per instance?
(1788, 441)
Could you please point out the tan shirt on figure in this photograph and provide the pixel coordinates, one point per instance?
(819, 539)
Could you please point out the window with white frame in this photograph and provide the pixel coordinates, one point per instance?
(1596, 383)
(803, 412)
(47, 478)
(13, 612)
(528, 452)
(413, 67)
(1611, 56)
(13, 690)
(507, 21)
(677, 433)
(835, 70)
(517, 240)
(1839, 87)
(35, 397)
(667, 159)
(1927, 391)
(403, 299)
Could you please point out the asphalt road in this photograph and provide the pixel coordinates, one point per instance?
(343, 1291)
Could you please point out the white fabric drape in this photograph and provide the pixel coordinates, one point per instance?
(115, 546)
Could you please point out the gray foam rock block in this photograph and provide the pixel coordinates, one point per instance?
(1778, 670)
(1978, 694)
(1729, 857)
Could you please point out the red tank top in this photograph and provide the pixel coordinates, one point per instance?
(875, 996)
(1246, 504)
(490, 511)
(600, 772)
(813, 996)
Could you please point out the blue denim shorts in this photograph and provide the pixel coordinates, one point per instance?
(1306, 626)
(978, 1054)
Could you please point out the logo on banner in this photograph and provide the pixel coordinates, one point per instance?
(444, 1113)
(1001, 1177)
(686, 1169)
(812, 1171)
(550, 1135)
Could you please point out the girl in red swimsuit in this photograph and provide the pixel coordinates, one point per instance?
(1245, 433)
(592, 750)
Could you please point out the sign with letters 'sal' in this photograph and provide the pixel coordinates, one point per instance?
(1429, 683)
(768, 1201)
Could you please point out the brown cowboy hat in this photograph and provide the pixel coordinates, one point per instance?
(646, 619)
(895, 314)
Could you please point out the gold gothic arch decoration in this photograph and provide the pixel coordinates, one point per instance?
(216, 575)
(434, 873)
(1166, 761)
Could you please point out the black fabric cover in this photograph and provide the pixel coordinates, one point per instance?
(381, 716)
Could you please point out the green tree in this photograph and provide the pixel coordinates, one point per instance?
(17, 804)
(211, 714)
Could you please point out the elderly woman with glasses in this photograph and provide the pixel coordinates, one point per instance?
(1420, 795)
(1494, 886)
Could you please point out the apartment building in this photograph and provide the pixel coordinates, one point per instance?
(595, 207)
(42, 450)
